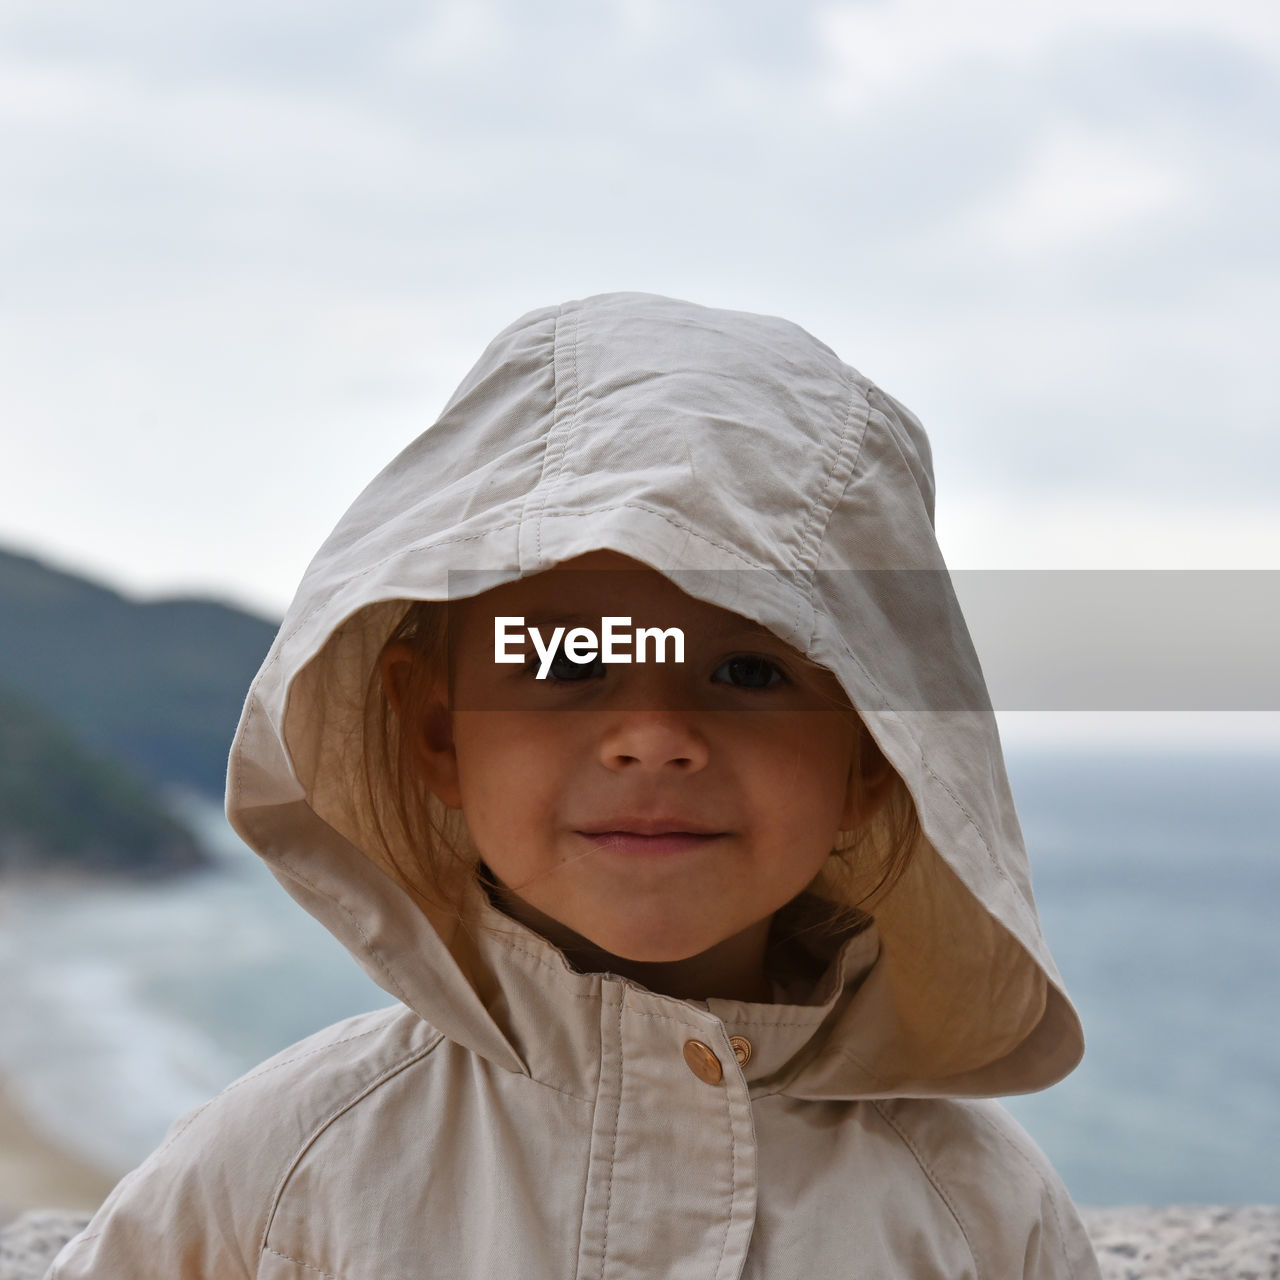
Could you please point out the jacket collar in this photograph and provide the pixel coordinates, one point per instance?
(550, 1013)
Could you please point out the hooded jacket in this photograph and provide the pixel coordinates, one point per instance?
(513, 1116)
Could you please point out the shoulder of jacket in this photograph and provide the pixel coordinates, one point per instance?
(998, 1185)
(326, 1068)
(208, 1190)
(271, 1112)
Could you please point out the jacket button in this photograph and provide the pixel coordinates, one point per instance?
(741, 1049)
(702, 1062)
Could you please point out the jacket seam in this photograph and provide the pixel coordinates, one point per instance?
(613, 1155)
(672, 1018)
(544, 963)
(536, 496)
(934, 1180)
(564, 1093)
(306, 1266)
(733, 1177)
(633, 505)
(364, 1091)
(288, 1062)
(370, 949)
(1046, 1191)
(235, 1084)
(813, 1023)
(856, 396)
(550, 479)
(820, 512)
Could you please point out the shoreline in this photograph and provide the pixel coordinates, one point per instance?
(36, 1172)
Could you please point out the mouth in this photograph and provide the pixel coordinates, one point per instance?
(650, 836)
(650, 827)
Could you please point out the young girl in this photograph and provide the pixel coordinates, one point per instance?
(627, 731)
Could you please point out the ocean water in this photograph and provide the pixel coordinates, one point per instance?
(1157, 878)
(1158, 884)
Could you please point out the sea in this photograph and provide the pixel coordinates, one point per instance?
(1157, 876)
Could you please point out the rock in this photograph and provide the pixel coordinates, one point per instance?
(1186, 1242)
(29, 1243)
(1174, 1243)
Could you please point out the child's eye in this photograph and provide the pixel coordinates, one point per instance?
(749, 671)
(563, 668)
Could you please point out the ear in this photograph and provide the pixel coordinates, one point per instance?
(870, 783)
(421, 704)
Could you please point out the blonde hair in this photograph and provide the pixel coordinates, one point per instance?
(426, 848)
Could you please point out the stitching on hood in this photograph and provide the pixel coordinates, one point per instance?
(633, 504)
(820, 512)
(824, 508)
(561, 429)
(369, 948)
(251, 710)
(855, 393)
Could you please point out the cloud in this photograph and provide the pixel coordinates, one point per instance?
(280, 226)
(878, 49)
(1078, 190)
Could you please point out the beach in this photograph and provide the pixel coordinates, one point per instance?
(37, 1173)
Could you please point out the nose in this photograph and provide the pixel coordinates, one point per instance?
(652, 741)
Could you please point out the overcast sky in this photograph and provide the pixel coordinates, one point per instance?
(250, 246)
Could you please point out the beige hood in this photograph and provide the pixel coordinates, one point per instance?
(739, 456)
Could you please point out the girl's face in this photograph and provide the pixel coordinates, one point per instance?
(657, 810)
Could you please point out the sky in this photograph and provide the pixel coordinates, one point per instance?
(248, 249)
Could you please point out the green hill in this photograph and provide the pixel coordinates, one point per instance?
(156, 686)
(63, 808)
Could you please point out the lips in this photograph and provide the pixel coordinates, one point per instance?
(635, 826)
(635, 837)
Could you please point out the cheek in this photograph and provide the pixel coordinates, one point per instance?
(486, 758)
(507, 770)
(809, 767)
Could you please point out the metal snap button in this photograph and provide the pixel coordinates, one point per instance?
(741, 1049)
(702, 1062)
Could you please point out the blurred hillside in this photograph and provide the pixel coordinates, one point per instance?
(64, 808)
(105, 703)
(155, 685)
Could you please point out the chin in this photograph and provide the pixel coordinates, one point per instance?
(654, 947)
